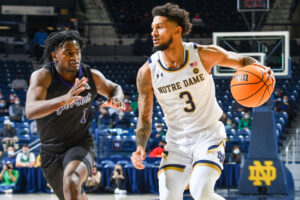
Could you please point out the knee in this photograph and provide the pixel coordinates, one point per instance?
(72, 184)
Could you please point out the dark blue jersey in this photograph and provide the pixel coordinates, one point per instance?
(67, 126)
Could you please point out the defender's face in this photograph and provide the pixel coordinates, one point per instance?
(162, 30)
(68, 56)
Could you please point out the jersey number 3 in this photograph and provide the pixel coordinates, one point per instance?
(191, 107)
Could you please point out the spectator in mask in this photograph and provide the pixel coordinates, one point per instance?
(245, 122)
(3, 108)
(229, 124)
(10, 156)
(8, 177)
(16, 110)
(157, 152)
(25, 158)
(8, 135)
(236, 155)
(121, 121)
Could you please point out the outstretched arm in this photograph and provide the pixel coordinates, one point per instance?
(112, 91)
(36, 104)
(214, 55)
(145, 105)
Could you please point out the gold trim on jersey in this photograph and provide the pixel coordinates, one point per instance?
(208, 165)
(214, 147)
(178, 69)
(175, 167)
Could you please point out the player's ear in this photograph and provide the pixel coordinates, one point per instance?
(178, 30)
(54, 57)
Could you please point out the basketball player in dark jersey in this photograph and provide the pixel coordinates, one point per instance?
(59, 98)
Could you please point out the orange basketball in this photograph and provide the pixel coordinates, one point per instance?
(251, 86)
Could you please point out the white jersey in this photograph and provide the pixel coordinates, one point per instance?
(186, 96)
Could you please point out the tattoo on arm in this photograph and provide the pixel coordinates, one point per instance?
(145, 105)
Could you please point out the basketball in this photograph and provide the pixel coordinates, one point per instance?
(251, 86)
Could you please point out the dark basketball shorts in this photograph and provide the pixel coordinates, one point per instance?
(53, 166)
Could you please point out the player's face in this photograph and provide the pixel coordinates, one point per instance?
(162, 33)
(68, 56)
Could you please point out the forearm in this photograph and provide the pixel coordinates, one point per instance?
(117, 92)
(248, 61)
(42, 108)
(143, 132)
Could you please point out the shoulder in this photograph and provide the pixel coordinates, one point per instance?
(41, 76)
(144, 71)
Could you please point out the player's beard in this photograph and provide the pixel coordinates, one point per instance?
(162, 47)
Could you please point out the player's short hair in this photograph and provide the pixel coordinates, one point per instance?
(57, 39)
(176, 14)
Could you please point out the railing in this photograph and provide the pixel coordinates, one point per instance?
(292, 144)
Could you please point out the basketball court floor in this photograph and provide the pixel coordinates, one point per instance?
(232, 195)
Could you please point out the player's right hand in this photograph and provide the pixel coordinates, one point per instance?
(138, 157)
(78, 87)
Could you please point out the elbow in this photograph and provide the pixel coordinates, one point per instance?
(29, 115)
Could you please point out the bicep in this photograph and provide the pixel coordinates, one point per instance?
(215, 55)
(145, 89)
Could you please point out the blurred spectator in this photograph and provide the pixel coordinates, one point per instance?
(198, 24)
(8, 135)
(19, 83)
(104, 120)
(33, 128)
(1, 153)
(117, 180)
(236, 155)
(16, 110)
(127, 103)
(283, 105)
(236, 107)
(134, 105)
(10, 156)
(11, 99)
(38, 42)
(74, 23)
(121, 121)
(157, 152)
(8, 177)
(93, 183)
(25, 158)
(1, 95)
(245, 122)
(38, 161)
(3, 108)
(229, 124)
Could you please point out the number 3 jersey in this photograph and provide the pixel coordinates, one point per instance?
(186, 96)
(67, 126)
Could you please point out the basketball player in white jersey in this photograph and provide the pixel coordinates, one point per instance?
(179, 74)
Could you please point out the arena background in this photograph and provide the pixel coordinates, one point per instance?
(119, 42)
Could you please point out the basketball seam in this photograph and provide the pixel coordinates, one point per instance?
(256, 75)
(264, 94)
(261, 80)
(251, 94)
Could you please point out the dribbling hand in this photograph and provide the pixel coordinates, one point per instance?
(78, 87)
(137, 158)
(269, 71)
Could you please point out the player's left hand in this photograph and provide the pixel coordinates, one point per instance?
(114, 103)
